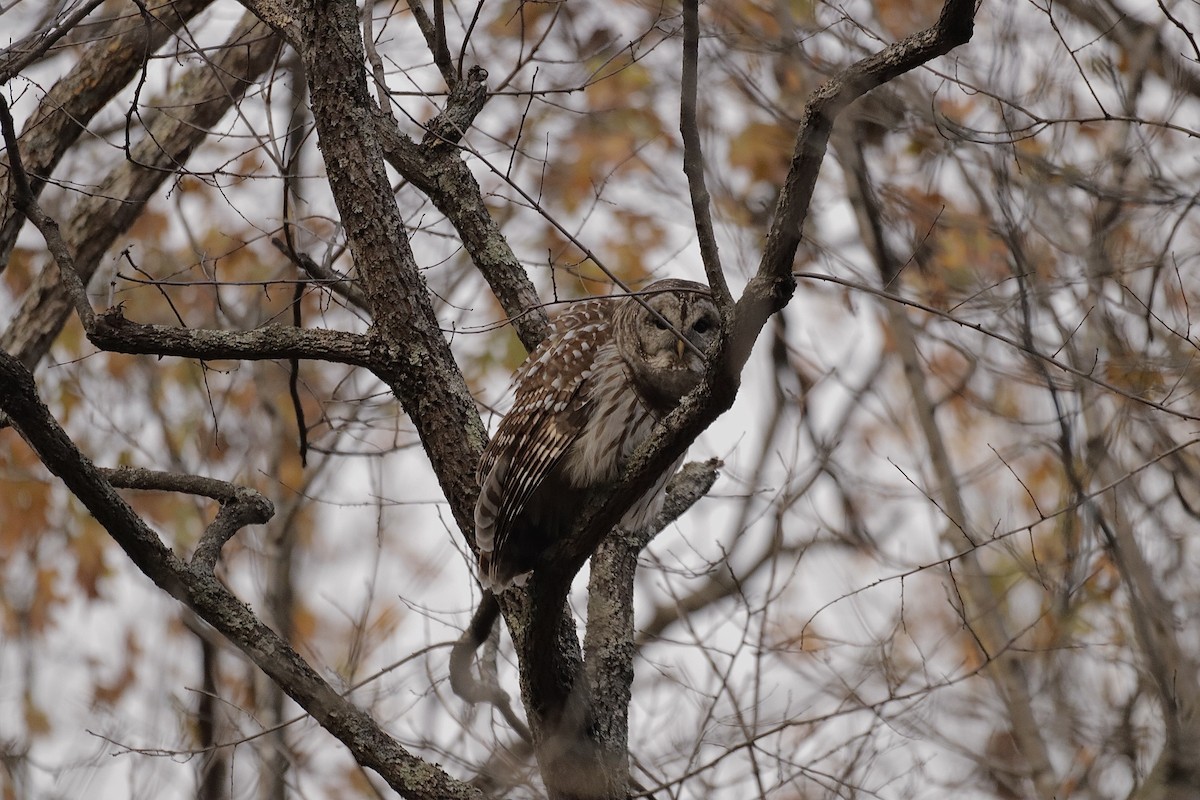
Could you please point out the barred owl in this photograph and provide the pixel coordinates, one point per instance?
(585, 399)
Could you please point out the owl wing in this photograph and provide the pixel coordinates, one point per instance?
(546, 419)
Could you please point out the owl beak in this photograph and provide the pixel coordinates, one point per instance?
(680, 345)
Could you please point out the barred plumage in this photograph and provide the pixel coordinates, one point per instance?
(585, 399)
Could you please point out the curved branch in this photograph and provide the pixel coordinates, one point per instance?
(246, 507)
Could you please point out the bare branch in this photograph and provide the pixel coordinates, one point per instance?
(150, 480)
(448, 182)
(247, 507)
(693, 160)
(113, 332)
(240, 505)
(434, 32)
(26, 202)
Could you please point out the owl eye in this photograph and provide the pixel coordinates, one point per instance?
(702, 325)
(662, 326)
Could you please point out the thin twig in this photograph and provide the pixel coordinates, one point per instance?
(1089, 375)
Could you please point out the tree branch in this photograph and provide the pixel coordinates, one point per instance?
(25, 201)
(693, 160)
(444, 177)
(152, 480)
(111, 331)
(418, 365)
(338, 284)
(246, 507)
(773, 284)
(434, 32)
(608, 643)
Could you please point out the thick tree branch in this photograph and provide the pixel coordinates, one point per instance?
(418, 367)
(608, 643)
(773, 285)
(112, 332)
(610, 619)
(279, 16)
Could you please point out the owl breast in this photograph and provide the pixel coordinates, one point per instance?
(616, 423)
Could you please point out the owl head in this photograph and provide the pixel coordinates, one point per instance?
(664, 338)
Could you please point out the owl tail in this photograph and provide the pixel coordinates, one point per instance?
(495, 578)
